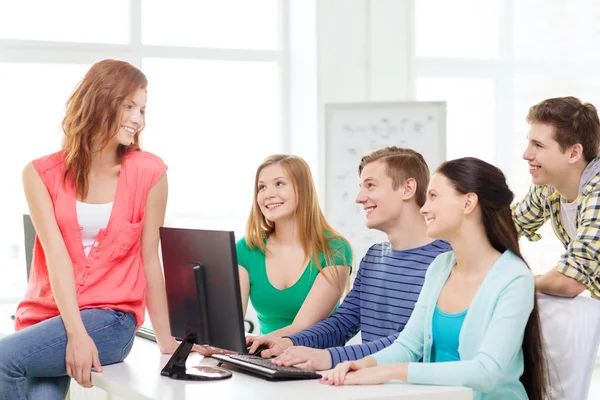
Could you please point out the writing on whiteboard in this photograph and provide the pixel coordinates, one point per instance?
(355, 130)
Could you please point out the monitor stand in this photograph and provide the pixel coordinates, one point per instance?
(176, 368)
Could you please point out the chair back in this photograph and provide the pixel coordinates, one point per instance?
(29, 235)
(571, 331)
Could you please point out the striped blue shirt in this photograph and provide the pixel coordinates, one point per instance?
(383, 296)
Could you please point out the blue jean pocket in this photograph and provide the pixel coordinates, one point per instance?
(114, 334)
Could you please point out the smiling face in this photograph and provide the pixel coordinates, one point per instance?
(132, 121)
(382, 204)
(443, 209)
(276, 196)
(547, 163)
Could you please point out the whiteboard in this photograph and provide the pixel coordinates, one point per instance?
(353, 130)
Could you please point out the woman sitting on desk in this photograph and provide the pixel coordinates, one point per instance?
(293, 265)
(97, 206)
(476, 322)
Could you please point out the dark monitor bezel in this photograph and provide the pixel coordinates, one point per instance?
(215, 252)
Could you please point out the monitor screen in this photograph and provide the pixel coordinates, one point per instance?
(202, 283)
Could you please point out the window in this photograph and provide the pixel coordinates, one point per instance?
(558, 30)
(444, 28)
(70, 21)
(493, 60)
(470, 114)
(233, 24)
(214, 116)
(32, 97)
(215, 102)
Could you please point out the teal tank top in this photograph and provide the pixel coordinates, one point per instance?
(446, 331)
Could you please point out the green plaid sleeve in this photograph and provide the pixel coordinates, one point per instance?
(581, 260)
(529, 214)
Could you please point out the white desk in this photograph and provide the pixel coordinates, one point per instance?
(138, 378)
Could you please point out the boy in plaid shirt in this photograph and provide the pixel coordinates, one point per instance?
(562, 154)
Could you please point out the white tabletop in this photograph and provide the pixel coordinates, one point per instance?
(138, 378)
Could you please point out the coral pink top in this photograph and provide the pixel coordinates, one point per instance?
(112, 275)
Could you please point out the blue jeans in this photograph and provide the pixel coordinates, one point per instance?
(32, 361)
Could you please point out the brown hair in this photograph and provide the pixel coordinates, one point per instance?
(573, 121)
(315, 232)
(471, 175)
(93, 116)
(401, 164)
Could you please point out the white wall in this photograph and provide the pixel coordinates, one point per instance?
(356, 50)
(363, 50)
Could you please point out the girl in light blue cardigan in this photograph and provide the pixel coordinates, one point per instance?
(476, 322)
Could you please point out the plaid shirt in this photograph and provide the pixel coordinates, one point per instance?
(581, 259)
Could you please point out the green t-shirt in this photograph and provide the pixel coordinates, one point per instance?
(278, 308)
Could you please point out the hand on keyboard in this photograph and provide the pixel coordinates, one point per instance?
(305, 358)
(269, 365)
(274, 345)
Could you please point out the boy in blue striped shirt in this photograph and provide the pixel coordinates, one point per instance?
(393, 183)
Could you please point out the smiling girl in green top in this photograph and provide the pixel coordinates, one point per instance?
(293, 265)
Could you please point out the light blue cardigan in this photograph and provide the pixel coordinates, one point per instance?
(491, 358)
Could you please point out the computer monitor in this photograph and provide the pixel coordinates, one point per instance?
(203, 294)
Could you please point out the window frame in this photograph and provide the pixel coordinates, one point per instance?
(504, 70)
(55, 52)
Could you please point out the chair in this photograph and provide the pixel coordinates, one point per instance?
(29, 234)
(571, 331)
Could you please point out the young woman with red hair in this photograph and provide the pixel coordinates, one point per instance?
(96, 205)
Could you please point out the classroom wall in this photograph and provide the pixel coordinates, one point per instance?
(361, 50)
(358, 51)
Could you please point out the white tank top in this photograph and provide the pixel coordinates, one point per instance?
(92, 218)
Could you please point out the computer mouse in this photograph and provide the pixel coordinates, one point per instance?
(259, 349)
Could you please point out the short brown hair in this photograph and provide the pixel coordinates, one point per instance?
(574, 122)
(401, 164)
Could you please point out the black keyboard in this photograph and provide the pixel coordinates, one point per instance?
(264, 367)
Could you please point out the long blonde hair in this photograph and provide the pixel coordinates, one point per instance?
(314, 230)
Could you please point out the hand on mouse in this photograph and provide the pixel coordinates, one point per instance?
(274, 345)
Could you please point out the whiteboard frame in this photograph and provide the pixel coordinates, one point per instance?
(329, 110)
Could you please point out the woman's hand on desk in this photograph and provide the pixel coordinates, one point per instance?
(305, 357)
(338, 375)
(172, 344)
(169, 346)
(207, 351)
(364, 372)
(368, 376)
